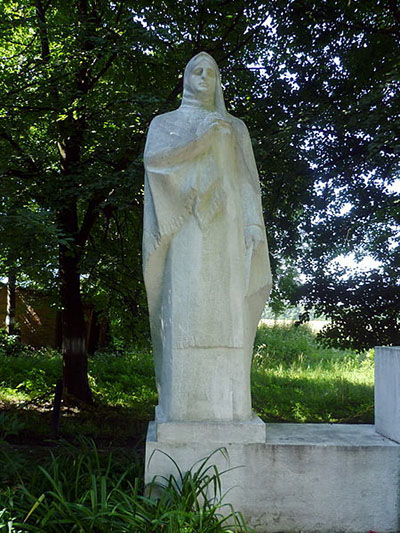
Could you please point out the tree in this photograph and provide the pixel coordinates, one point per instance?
(364, 310)
(80, 83)
(56, 56)
(340, 61)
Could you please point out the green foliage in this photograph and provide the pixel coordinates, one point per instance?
(316, 82)
(11, 345)
(124, 380)
(32, 372)
(79, 86)
(282, 344)
(364, 310)
(117, 379)
(192, 501)
(296, 380)
(71, 485)
(81, 489)
(340, 69)
(123, 386)
(284, 290)
(9, 425)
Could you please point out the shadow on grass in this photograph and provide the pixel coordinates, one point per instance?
(123, 387)
(107, 426)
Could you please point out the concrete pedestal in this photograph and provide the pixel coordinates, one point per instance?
(303, 477)
(321, 478)
(387, 391)
(210, 432)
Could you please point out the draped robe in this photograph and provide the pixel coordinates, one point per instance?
(205, 291)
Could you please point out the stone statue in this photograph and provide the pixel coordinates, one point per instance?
(205, 254)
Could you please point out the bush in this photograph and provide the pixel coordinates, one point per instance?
(34, 372)
(11, 345)
(282, 344)
(9, 425)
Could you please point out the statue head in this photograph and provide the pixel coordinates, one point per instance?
(202, 83)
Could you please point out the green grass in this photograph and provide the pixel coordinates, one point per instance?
(293, 380)
(123, 387)
(296, 380)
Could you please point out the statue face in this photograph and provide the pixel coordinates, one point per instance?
(203, 78)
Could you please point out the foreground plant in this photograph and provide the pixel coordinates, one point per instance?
(192, 501)
(85, 491)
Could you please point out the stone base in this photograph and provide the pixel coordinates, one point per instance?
(387, 391)
(302, 477)
(210, 432)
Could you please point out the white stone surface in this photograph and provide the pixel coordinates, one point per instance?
(205, 254)
(387, 391)
(211, 432)
(309, 478)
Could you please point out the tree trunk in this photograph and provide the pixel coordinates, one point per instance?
(75, 367)
(11, 302)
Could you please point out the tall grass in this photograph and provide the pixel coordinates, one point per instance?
(296, 380)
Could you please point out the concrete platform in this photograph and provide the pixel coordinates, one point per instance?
(323, 478)
(217, 432)
(326, 435)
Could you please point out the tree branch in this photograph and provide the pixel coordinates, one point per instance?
(248, 37)
(17, 147)
(200, 25)
(90, 218)
(102, 71)
(24, 48)
(30, 108)
(44, 39)
(44, 43)
(232, 26)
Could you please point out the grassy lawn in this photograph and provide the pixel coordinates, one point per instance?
(123, 388)
(293, 380)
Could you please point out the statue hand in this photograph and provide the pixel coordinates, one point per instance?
(222, 126)
(253, 236)
(214, 122)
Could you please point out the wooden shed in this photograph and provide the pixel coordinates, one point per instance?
(39, 322)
